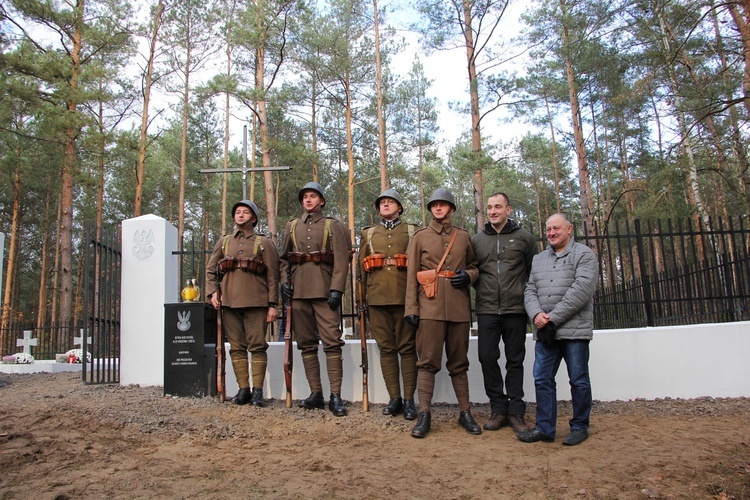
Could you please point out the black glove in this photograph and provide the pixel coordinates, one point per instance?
(413, 320)
(287, 290)
(546, 334)
(460, 279)
(334, 299)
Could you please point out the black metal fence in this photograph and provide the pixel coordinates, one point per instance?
(101, 287)
(671, 272)
(652, 273)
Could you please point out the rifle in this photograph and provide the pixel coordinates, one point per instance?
(288, 353)
(363, 339)
(221, 354)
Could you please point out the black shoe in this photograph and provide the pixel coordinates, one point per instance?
(242, 397)
(533, 436)
(466, 420)
(423, 425)
(395, 405)
(313, 402)
(576, 436)
(496, 422)
(336, 405)
(410, 411)
(257, 398)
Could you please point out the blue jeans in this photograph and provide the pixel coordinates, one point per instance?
(546, 362)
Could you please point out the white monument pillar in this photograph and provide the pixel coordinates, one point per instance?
(149, 280)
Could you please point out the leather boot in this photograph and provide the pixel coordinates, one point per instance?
(423, 425)
(467, 422)
(410, 411)
(257, 397)
(336, 405)
(242, 397)
(395, 405)
(313, 402)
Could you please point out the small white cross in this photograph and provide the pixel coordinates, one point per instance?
(79, 340)
(27, 341)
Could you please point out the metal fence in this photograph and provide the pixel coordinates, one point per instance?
(671, 272)
(652, 273)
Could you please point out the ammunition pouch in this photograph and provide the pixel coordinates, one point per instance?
(373, 262)
(322, 257)
(376, 261)
(254, 265)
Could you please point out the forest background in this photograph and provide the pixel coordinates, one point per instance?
(109, 109)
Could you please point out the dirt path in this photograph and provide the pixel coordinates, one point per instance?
(61, 439)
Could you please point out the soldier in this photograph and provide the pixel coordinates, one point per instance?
(316, 256)
(244, 269)
(441, 268)
(382, 255)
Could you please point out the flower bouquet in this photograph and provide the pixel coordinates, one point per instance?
(24, 359)
(76, 356)
(9, 360)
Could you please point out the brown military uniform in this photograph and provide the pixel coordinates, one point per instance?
(311, 316)
(444, 320)
(384, 289)
(245, 299)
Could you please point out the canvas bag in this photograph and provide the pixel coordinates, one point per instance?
(428, 278)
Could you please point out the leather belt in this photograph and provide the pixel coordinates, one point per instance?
(446, 274)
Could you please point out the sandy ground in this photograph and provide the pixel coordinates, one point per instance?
(62, 439)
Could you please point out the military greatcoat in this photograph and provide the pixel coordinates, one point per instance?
(386, 286)
(241, 288)
(426, 249)
(310, 280)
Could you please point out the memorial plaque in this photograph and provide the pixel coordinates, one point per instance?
(190, 349)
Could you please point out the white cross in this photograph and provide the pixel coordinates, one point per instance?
(27, 341)
(79, 340)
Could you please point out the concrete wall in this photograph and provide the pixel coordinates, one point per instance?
(678, 362)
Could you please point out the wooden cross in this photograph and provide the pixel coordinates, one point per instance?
(244, 168)
(27, 342)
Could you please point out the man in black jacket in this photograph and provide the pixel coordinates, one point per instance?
(505, 252)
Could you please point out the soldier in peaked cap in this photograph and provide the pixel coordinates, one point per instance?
(382, 257)
(442, 266)
(316, 255)
(244, 266)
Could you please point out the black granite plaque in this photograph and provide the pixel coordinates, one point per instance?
(189, 349)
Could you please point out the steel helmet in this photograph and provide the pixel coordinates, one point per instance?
(249, 204)
(442, 194)
(312, 186)
(393, 194)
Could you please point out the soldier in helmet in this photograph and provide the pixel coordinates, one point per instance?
(316, 255)
(382, 257)
(244, 266)
(437, 303)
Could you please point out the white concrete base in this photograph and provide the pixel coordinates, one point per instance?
(44, 366)
(679, 362)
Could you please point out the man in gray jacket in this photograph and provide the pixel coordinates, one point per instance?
(559, 299)
(504, 251)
